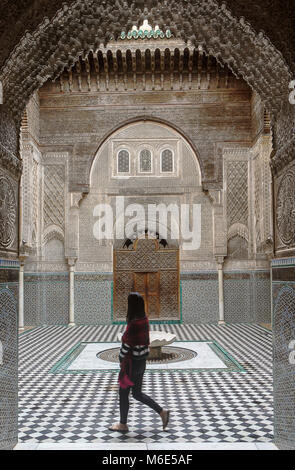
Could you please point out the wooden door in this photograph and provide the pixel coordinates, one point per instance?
(148, 285)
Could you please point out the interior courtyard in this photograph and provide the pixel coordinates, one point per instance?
(181, 115)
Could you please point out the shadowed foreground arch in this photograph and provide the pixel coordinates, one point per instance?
(85, 24)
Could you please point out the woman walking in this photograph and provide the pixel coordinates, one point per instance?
(133, 353)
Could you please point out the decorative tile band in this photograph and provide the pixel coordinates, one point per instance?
(283, 262)
(8, 264)
(93, 276)
(38, 274)
(9, 275)
(44, 277)
(283, 273)
(213, 275)
(202, 275)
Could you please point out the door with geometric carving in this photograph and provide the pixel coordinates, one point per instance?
(151, 268)
(148, 285)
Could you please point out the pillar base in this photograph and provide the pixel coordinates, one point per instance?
(221, 322)
(72, 324)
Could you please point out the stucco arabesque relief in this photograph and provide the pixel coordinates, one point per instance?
(8, 212)
(285, 208)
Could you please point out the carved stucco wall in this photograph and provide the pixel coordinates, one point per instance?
(8, 212)
(81, 122)
(183, 187)
(283, 284)
(285, 211)
(214, 138)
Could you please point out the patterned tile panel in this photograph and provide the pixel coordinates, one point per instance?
(46, 299)
(262, 292)
(93, 301)
(247, 298)
(8, 369)
(238, 300)
(199, 301)
(284, 364)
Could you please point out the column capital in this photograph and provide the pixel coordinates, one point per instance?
(72, 261)
(215, 196)
(76, 198)
(219, 260)
(23, 254)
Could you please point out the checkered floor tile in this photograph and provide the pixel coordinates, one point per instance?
(205, 406)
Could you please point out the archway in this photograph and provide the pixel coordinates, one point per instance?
(263, 78)
(168, 161)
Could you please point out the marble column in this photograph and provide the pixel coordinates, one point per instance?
(21, 318)
(72, 262)
(220, 261)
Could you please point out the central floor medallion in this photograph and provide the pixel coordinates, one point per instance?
(187, 356)
(169, 354)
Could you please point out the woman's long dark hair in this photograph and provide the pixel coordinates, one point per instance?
(135, 306)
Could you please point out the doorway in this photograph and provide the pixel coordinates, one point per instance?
(152, 270)
(148, 286)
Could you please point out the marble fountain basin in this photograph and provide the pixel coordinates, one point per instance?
(158, 339)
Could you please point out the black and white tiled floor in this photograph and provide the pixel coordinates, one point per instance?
(228, 407)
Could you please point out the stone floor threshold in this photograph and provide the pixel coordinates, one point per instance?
(145, 446)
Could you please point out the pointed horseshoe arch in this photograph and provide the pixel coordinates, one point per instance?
(148, 119)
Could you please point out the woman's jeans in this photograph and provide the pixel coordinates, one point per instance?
(138, 368)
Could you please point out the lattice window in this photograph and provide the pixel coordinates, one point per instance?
(145, 161)
(123, 161)
(54, 204)
(167, 161)
(237, 193)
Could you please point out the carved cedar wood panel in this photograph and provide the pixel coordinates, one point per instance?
(154, 273)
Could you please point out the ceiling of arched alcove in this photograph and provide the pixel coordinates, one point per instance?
(151, 66)
(83, 24)
(275, 17)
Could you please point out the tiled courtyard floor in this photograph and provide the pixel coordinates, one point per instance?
(208, 406)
